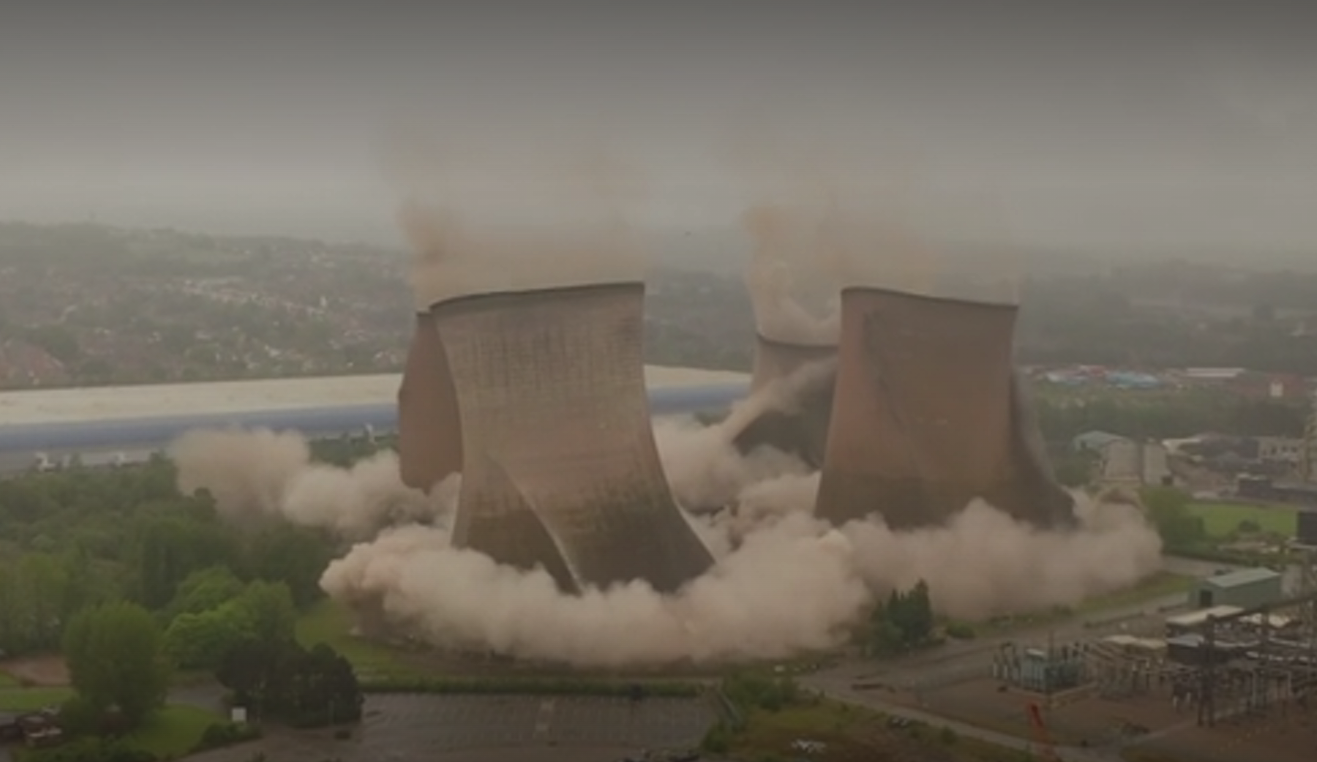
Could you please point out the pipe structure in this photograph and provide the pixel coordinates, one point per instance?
(928, 415)
(561, 470)
(429, 427)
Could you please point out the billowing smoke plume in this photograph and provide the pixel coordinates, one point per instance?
(790, 584)
(260, 474)
(570, 206)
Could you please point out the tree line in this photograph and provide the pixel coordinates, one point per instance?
(132, 581)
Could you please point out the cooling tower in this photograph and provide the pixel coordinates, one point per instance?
(797, 421)
(429, 429)
(560, 465)
(929, 414)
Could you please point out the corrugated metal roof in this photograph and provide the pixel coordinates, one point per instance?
(227, 397)
(1242, 577)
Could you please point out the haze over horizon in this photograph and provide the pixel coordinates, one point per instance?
(1112, 127)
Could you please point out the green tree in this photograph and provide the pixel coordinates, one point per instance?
(116, 658)
(199, 640)
(1168, 510)
(269, 611)
(292, 555)
(203, 590)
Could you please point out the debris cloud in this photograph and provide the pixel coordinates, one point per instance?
(784, 582)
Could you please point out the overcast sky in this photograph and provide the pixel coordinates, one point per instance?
(1171, 124)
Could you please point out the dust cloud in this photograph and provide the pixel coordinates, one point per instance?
(570, 203)
(256, 475)
(784, 582)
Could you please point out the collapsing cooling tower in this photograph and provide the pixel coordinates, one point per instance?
(797, 421)
(429, 428)
(560, 465)
(929, 415)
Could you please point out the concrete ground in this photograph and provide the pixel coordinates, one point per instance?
(406, 727)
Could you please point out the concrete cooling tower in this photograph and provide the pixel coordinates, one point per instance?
(429, 428)
(560, 465)
(929, 414)
(799, 425)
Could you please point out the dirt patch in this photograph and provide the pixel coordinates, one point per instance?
(38, 671)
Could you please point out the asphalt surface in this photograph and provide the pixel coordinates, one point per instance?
(407, 727)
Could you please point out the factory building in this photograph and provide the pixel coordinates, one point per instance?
(560, 467)
(797, 420)
(429, 427)
(1243, 589)
(929, 413)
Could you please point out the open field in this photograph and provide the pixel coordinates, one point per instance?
(851, 733)
(173, 731)
(1159, 585)
(15, 699)
(1221, 519)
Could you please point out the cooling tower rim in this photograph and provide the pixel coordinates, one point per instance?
(929, 298)
(577, 288)
(795, 345)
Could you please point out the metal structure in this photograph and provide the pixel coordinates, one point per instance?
(429, 427)
(1249, 662)
(560, 467)
(929, 414)
(796, 418)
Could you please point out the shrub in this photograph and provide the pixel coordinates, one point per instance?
(221, 734)
(960, 631)
(718, 740)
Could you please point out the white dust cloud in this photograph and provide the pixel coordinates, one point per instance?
(260, 474)
(784, 583)
(570, 205)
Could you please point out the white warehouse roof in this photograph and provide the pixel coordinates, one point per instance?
(129, 402)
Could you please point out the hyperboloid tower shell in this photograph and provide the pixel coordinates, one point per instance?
(429, 428)
(560, 468)
(803, 376)
(929, 414)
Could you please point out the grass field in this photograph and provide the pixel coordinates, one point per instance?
(1220, 519)
(330, 623)
(1159, 585)
(7, 681)
(173, 731)
(14, 699)
(852, 733)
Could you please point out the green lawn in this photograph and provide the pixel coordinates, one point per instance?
(1220, 519)
(29, 699)
(173, 731)
(7, 680)
(330, 623)
(1159, 585)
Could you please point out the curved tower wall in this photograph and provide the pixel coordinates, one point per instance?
(429, 427)
(561, 468)
(928, 415)
(800, 427)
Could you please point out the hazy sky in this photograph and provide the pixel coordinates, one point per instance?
(1126, 124)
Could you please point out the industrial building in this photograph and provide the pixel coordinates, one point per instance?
(429, 427)
(1243, 589)
(797, 423)
(560, 467)
(101, 424)
(929, 414)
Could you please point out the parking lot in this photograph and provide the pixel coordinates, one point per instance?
(404, 727)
